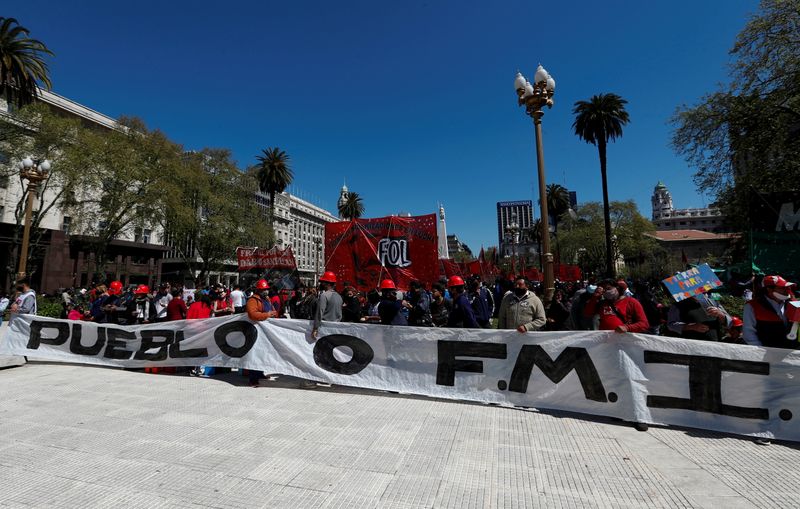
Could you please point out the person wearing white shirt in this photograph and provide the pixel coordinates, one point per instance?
(238, 299)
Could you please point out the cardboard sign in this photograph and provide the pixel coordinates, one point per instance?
(689, 283)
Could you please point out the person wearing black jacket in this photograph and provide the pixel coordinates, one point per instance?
(351, 306)
(419, 306)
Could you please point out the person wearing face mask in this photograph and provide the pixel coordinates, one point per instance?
(765, 321)
(390, 307)
(25, 303)
(258, 309)
(616, 311)
(521, 309)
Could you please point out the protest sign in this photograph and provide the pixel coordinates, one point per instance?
(689, 283)
(263, 258)
(733, 388)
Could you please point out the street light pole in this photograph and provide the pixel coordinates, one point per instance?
(34, 172)
(535, 97)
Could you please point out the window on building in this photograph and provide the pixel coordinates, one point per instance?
(65, 224)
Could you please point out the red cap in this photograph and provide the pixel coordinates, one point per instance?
(262, 285)
(736, 321)
(115, 288)
(142, 290)
(328, 277)
(776, 281)
(388, 284)
(455, 281)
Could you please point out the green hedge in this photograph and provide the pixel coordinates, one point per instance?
(49, 306)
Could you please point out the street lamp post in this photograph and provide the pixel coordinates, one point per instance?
(34, 172)
(512, 230)
(535, 97)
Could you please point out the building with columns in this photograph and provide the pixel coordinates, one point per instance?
(667, 217)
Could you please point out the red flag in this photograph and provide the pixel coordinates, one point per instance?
(450, 267)
(365, 251)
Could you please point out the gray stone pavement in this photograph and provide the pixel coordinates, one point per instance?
(77, 436)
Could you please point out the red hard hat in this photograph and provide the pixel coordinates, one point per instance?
(455, 281)
(736, 321)
(262, 285)
(115, 288)
(142, 290)
(328, 277)
(388, 284)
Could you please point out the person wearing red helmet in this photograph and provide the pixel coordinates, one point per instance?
(329, 303)
(461, 315)
(258, 306)
(390, 307)
(142, 309)
(734, 334)
(765, 322)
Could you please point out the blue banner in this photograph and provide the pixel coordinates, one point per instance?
(689, 283)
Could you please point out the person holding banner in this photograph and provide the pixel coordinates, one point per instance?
(616, 311)
(329, 303)
(390, 308)
(259, 309)
(461, 316)
(521, 309)
(765, 322)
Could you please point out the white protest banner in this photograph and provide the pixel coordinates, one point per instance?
(738, 389)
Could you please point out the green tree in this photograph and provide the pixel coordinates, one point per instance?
(557, 202)
(210, 211)
(744, 138)
(22, 64)
(37, 132)
(123, 177)
(598, 121)
(582, 240)
(353, 207)
(274, 175)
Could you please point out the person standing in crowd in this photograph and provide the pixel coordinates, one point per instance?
(275, 300)
(652, 309)
(200, 308)
(307, 307)
(418, 305)
(579, 302)
(25, 303)
(765, 322)
(223, 305)
(351, 306)
(141, 309)
(479, 300)
(521, 309)
(74, 312)
(461, 316)
(4, 302)
(390, 307)
(372, 315)
(259, 308)
(616, 311)
(176, 309)
(734, 333)
(238, 299)
(440, 306)
(329, 304)
(161, 301)
(557, 312)
(695, 318)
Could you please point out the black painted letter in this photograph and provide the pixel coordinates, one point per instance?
(323, 354)
(705, 384)
(148, 343)
(36, 334)
(571, 358)
(246, 328)
(449, 350)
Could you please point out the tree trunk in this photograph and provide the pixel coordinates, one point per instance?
(601, 147)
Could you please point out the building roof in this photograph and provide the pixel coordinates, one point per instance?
(688, 235)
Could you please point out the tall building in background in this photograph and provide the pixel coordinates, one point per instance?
(667, 217)
(512, 214)
(455, 246)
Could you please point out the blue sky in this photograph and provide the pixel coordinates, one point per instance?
(411, 102)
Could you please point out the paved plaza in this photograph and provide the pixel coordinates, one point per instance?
(78, 436)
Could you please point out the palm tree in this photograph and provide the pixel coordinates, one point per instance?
(597, 121)
(273, 174)
(22, 66)
(557, 202)
(353, 207)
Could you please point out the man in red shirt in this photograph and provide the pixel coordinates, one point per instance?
(616, 311)
(619, 313)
